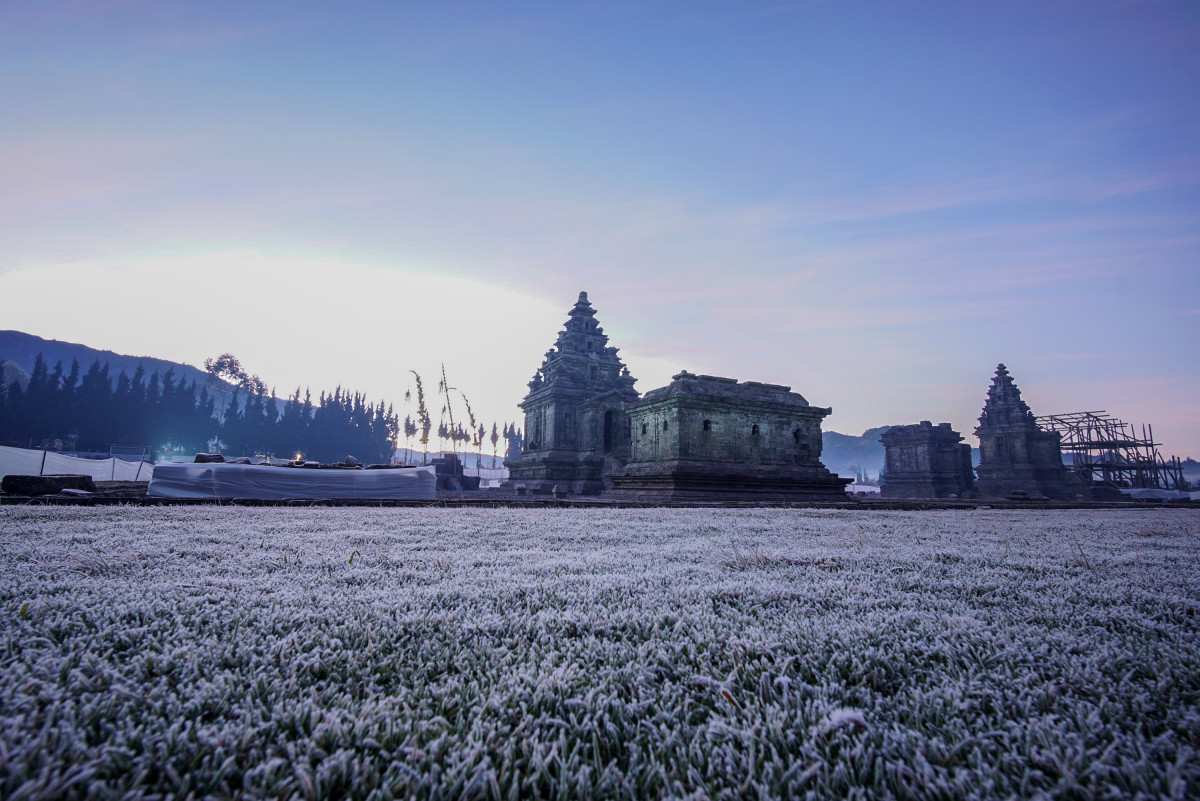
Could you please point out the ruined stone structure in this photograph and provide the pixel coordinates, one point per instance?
(708, 438)
(1015, 454)
(575, 422)
(926, 461)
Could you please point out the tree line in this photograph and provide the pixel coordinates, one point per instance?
(231, 411)
(91, 411)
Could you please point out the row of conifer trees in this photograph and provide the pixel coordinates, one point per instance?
(91, 411)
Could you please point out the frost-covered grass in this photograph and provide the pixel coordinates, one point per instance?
(608, 653)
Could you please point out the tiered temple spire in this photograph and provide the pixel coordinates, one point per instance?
(1004, 405)
(581, 356)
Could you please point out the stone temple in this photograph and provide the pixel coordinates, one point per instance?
(926, 461)
(1015, 454)
(587, 431)
(575, 422)
(702, 437)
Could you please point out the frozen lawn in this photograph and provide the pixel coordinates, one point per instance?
(459, 653)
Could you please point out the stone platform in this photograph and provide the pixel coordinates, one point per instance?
(680, 480)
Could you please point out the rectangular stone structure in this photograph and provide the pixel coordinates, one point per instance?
(926, 461)
(712, 438)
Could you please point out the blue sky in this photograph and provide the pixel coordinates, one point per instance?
(872, 202)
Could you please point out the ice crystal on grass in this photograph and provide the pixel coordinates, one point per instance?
(328, 653)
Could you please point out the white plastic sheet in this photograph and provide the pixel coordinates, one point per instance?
(1155, 494)
(20, 462)
(264, 482)
(26, 462)
(98, 469)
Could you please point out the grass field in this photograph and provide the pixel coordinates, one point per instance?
(452, 653)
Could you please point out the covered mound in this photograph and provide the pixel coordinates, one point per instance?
(272, 483)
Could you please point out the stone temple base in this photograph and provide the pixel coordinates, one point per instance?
(538, 473)
(702, 481)
(1000, 482)
(929, 486)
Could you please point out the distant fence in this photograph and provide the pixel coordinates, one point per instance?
(26, 462)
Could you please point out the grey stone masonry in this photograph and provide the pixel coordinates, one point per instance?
(1015, 454)
(575, 425)
(926, 461)
(704, 437)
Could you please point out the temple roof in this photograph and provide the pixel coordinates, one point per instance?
(581, 358)
(582, 307)
(687, 385)
(922, 431)
(1004, 406)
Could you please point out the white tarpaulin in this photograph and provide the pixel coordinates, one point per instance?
(1151, 493)
(264, 482)
(25, 462)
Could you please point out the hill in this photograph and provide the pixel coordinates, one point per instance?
(22, 349)
(846, 454)
(18, 351)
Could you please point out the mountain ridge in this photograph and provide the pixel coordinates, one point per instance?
(21, 349)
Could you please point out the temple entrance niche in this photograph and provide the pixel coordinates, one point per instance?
(610, 433)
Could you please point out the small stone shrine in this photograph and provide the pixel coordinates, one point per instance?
(708, 438)
(925, 461)
(575, 422)
(1015, 454)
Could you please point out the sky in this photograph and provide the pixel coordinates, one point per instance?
(873, 203)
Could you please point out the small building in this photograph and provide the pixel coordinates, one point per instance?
(1015, 454)
(704, 437)
(926, 461)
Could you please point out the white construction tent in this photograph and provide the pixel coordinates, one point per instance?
(26, 462)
